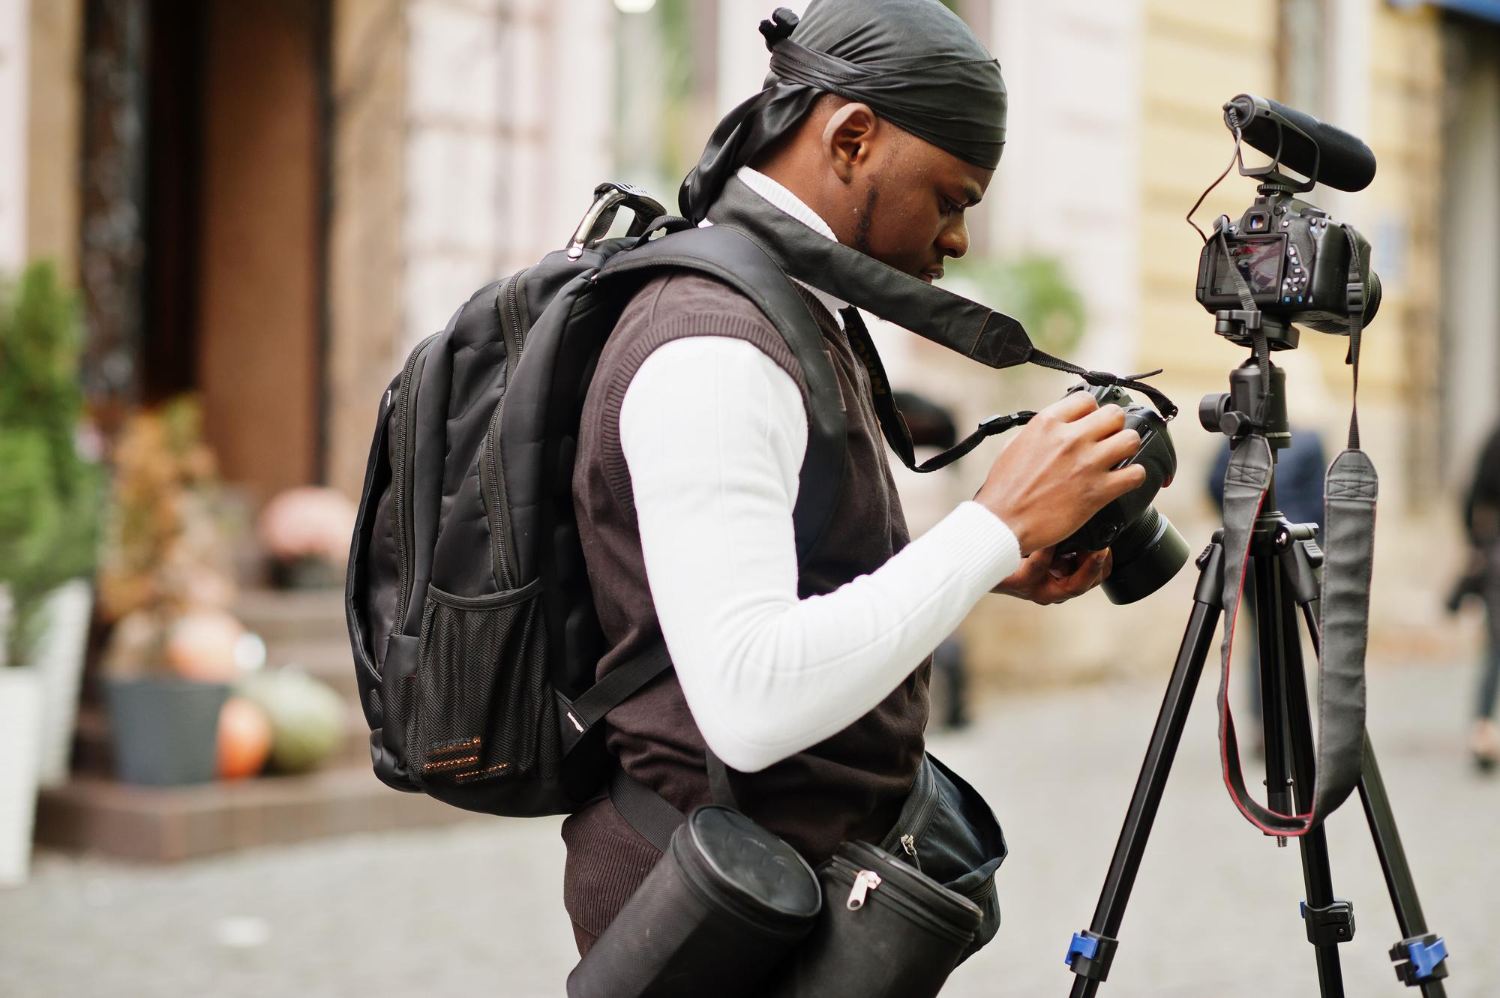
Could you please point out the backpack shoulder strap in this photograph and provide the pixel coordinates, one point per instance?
(726, 255)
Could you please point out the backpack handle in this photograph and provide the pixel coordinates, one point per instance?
(609, 198)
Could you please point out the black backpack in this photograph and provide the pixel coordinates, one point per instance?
(467, 600)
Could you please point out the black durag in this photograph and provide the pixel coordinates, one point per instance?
(914, 62)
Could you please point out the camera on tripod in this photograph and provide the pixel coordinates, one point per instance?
(1297, 264)
(1284, 261)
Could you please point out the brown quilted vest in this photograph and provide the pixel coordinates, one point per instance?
(849, 786)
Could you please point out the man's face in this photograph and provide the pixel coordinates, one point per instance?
(910, 198)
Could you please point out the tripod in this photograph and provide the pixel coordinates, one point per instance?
(1284, 564)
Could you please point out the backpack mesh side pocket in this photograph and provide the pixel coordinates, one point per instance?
(484, 707)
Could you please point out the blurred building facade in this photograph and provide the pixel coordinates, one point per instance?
(270, 201)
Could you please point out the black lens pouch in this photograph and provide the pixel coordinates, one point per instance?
(899, 917)
(718, 914)
(887, 931)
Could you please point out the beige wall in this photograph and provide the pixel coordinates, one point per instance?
(53, 133)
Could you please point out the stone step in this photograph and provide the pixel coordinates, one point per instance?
(330, 662)
(93, 814)
(293, 615)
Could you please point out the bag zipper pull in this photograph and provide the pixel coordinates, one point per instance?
(910, 845)
(864, 882)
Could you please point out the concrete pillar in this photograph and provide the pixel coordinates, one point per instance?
(14, 91)
(366, 255)
(743, 58)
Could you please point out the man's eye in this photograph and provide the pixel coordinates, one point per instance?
(950, 206)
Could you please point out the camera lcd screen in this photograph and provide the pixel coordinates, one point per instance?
(1259, 261)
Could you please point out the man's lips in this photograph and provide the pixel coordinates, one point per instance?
(932, 274)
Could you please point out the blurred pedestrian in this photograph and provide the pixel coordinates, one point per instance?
(926, 499)
(1482, 578)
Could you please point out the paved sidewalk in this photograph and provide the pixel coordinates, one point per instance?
(475, 910)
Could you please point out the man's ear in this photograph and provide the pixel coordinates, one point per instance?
(847, 139)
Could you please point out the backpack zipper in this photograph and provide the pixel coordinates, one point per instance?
(400, 473)
(502, 545)
(865, 881)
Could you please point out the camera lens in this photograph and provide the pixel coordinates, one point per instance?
(1147, 554)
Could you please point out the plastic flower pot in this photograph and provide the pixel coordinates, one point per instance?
(164, 731)
(20, 727)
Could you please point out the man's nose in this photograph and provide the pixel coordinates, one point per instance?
(954, 241)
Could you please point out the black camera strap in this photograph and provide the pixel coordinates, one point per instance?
(1350, 491)
(893, 422)
(966, 327)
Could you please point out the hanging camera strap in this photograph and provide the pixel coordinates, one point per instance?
(953, 321)
(1350, 491)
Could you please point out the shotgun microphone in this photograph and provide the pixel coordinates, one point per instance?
(1313, 148)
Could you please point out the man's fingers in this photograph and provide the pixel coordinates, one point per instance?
(1104, 422)
(1117, 447)
(1071, 407)
(1126, 479)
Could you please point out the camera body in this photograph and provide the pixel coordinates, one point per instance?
(1148, 550)
(1295, 260)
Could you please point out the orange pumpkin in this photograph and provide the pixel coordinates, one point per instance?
(200, 646)
(244, 738)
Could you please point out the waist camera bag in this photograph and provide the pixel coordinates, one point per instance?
(716, 916)
(887, 931)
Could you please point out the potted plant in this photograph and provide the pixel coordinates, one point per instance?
(165, 582)
(55, 499)
(49, 498)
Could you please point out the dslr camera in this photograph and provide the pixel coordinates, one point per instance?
(1148, 550)
(1297, 263)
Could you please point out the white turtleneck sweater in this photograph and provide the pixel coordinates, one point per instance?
(714, 434)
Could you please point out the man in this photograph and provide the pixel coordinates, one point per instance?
(879, 129)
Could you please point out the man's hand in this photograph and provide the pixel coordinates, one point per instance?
(1047, 578)
(1059, 471)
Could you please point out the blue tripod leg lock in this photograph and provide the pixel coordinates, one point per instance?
(1420, 959)
(1090, 954)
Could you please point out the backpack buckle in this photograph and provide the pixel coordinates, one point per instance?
(609, 198)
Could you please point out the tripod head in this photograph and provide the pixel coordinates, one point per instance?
(1254, 404)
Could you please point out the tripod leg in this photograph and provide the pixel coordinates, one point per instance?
(1420, 954)
(1091, 953)
(1329, 920)
(1268, 646)
(1399, 882)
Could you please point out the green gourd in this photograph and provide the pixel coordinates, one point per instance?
(307, 718)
